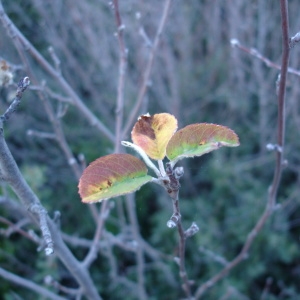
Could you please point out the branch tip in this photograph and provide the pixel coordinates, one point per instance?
(234, 42)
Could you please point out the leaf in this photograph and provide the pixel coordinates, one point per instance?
(152, 133)
(198, 139)
(111, 176)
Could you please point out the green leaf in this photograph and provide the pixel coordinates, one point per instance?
(198, 139)
(111, 176)
(152, 133)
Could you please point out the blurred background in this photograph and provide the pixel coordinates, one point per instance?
(197, 76)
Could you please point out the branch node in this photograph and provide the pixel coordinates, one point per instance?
(56, 217)
(177, 260)
(174, 220)
(178, 172)
(293, 40)
(274, 147)
(171, 224)
(234, 42)
(22, 86)
(192, 230)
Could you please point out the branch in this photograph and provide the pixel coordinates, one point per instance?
(121, 80)
(22, 86)
(255, 53)
(12, 175)
(279, 159)
(172, 187)
(140, 261)
(51, 235)
(18, 37)
(93, 249)
(294, 40)
(148, 69)
(55, 121)
(281, 98)
(16, 228)
(29, 285)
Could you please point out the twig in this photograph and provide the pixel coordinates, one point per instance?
(55, 59)
(22, 86)
(12, 175)
(294, 40)
(148, 69)
(172, 188)
(279, 159)
(92, 254)
(139, 251)
(16, 228)
(15, 34)
(49, 280)
(20, 41)
(254, 52)
(121, 80)
(40, 134)
(182, 270)
(73, 265)
(215, 257)
(267, 288)
(29, 285)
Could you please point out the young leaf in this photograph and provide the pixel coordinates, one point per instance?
(198, 139)
(112, 175)
(152, 133)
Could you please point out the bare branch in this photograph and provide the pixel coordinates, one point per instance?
(121, 80)
(22, 86)
(254, 52)
(279, 159)
(29, 285)
(130, 204)
(294, 40)
(92, 254)
(19, 38)
(148, 68)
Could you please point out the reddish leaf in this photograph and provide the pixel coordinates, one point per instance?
(152, 133)
(112, 175)
(198, 139)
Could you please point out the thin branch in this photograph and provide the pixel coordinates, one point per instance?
(56, 124)
(281, 98)
(12, 175)
(148, 69)
(255, 53)
(172, 188)
(92, 254)
(29, 285)
(49, 280)
(22, 86)
(121, 80)
(40, 134)
(16, 228)
(294, 40)
(279, 159)
(15, 34)
(130, 203)
(75, 268)
(182, 270)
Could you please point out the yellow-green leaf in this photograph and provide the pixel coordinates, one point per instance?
(152, 133)
(198, 139)
(111, 176)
